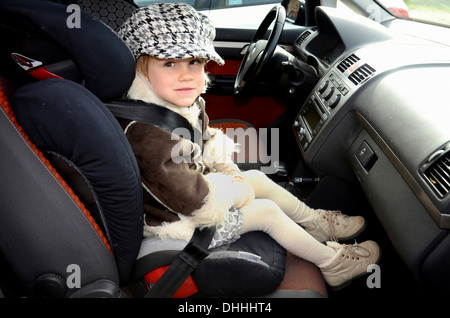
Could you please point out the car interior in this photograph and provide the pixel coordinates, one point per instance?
(349, 115)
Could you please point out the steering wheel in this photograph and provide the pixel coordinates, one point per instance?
(260, 51)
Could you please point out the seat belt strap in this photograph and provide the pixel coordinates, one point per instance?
(183, 265)
(155, 115)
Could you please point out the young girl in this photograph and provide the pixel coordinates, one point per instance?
(172, 44)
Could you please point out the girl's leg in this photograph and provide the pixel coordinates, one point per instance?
(264, 215)
(339, 263)
(323, 225)
(267, 189)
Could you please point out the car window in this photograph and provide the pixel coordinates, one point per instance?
(211, 4)
(250, 13)
(228, 13)
(219, 4)
(433, 11)
(199, 5)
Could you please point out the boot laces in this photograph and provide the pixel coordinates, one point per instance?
(332, 219)
(355, 251)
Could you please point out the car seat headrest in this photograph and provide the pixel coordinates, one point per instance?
(43, 40)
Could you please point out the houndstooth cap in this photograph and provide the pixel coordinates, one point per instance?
(170, 31)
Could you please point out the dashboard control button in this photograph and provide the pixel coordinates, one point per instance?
(323, 86)
(366, 156)
(327, 95)
(332, 103)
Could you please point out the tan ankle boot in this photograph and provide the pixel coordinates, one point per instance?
(334, 226)
(350, 262)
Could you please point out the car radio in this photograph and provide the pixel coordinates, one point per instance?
(317, 109)
(309, 121)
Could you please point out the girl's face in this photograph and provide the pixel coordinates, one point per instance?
(179, 82)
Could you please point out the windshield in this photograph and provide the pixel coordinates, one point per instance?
(431, 11)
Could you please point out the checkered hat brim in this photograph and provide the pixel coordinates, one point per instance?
(170, 31)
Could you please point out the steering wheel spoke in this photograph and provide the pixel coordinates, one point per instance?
(260, 51)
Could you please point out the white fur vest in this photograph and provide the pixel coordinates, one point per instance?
(186, 196)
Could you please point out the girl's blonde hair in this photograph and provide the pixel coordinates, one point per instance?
(142, 64)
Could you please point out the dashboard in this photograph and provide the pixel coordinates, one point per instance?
(379, 115)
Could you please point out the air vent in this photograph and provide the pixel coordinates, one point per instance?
(361, 74)
(347, 62)
(303, 37)
(438, 175)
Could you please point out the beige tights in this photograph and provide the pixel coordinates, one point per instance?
(276, 212)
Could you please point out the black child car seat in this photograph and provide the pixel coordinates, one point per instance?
(71, 196)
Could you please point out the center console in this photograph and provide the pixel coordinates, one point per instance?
(331, 92)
